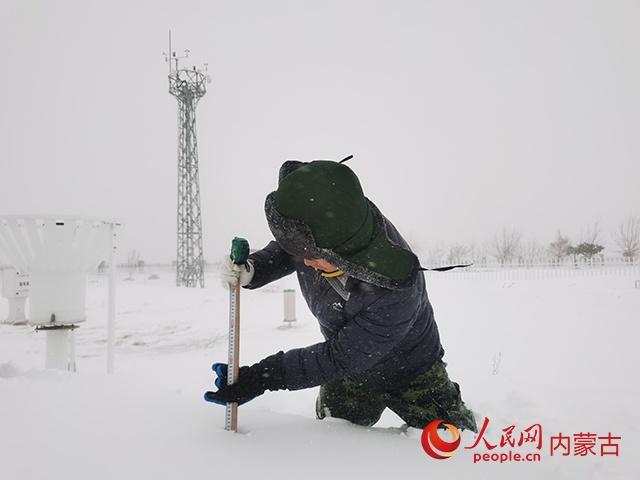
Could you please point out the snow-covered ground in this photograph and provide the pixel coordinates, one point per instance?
(559, 352)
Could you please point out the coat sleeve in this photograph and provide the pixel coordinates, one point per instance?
(358, 345)
(270, 264)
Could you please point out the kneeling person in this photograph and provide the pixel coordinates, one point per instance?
(366, 289)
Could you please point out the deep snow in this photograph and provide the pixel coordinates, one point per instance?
(561, 352)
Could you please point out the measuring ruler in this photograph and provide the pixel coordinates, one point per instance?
(239, 256)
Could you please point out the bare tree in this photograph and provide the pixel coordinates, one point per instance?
(559, 248)
(102, 267)
(483, 250)
(506, 245)
(133, 262)
(474, 252)
(436, 254)
(532, 251)
(457, 253)
(590, 234)
(477, 252)
(628, 238)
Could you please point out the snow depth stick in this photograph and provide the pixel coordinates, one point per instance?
(239, 255)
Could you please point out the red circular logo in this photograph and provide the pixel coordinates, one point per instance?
(435, 446)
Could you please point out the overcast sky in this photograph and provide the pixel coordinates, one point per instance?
(463, 116)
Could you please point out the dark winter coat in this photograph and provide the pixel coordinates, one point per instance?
(379, 337)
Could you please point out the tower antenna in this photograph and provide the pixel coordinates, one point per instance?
(188, 85)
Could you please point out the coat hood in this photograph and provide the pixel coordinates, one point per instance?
(320, 211)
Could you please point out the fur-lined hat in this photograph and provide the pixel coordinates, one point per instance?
(320, 211)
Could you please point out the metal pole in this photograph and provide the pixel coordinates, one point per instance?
(111, 321)
(72, 350)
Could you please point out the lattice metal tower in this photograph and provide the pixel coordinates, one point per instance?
(188, 86)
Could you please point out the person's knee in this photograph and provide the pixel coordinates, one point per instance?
(363, 414)
(432, 396)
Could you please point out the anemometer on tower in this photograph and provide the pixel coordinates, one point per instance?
(188, 86)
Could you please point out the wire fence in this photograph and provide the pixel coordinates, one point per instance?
(480, 270)
(520, 269)
(543, 269)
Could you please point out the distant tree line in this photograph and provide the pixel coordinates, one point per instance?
(508, 246)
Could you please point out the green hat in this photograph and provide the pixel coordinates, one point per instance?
(320, 211)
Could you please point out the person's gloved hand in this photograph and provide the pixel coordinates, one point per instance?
(231, 272)
(268, 374)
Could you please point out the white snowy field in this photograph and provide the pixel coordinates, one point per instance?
(561, 352)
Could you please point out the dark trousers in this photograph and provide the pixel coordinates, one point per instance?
(430, 395)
